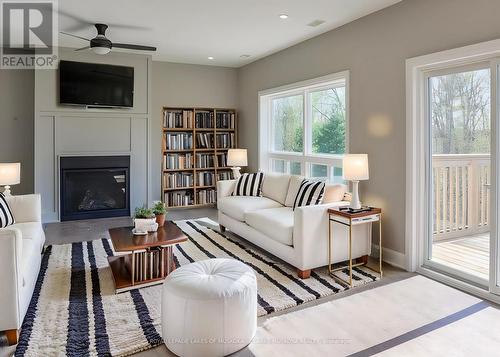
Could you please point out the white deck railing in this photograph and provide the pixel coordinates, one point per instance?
(461, 195)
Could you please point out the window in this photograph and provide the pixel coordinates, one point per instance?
(304, 126)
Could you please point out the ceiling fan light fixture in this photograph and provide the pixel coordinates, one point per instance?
(101, 50)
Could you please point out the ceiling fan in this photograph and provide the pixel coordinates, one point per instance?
(101, 45)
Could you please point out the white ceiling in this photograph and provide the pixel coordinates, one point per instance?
(189, 31)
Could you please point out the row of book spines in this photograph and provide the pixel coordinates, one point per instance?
(149, 265)
(178, 162)
(202, 120)
(185, 180)
(206, 196)
(178, 180)
(187, 198)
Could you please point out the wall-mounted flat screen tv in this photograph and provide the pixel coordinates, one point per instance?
(93, 84)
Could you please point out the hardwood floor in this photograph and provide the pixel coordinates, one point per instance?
(470, 254)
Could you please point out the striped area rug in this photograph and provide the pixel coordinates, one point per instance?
(75, 311)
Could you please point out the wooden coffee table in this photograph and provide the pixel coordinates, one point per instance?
(143, 260)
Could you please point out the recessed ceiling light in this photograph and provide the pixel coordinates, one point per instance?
(283, 16)
(210, 58)
(244, 56)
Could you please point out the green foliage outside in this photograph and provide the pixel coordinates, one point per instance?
(328, 122)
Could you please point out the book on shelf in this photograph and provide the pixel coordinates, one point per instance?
(206, 196)
(205, 178)
(221, 160)
(178, 141)
(178, 161)
(178, 180)
(224, 175)
(225, 140)
(204, 119)
(204, 161)
(179, 198)
(225, 120)
(178, 119)
(204, 140)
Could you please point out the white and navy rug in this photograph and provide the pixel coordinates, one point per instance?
(75, 311)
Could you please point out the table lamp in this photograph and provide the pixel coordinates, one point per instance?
(10, 174)
(237, 158)
(355, 169)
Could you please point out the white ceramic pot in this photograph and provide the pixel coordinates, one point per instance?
(145, 224)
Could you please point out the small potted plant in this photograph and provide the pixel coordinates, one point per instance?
(160, 212)
(144, 219)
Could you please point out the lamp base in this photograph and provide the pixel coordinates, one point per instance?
(6, 191)
(355, 203)
(236, 172)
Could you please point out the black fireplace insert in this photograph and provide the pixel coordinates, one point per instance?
(94, 187)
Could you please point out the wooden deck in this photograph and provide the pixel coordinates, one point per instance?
(470, 254)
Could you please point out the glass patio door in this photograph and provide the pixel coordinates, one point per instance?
(459, 172)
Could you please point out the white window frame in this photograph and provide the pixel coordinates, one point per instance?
(416, 146)
(306, 157)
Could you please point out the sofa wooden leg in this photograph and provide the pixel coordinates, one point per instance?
(363, 259)
(304, 274)
(12, 336)
(222, 228)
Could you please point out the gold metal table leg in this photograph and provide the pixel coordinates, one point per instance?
(329, 244)
(350, 254)
(380, 243)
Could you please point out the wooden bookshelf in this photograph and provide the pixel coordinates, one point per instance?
(193, 137)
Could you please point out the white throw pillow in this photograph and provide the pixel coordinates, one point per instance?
(293, 188)
(310, 193)
(275, 186)
(334, 193)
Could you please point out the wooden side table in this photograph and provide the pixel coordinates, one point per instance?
(345, 218)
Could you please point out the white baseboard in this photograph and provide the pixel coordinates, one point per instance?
(391, 257)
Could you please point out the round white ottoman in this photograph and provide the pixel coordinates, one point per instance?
(209, 308)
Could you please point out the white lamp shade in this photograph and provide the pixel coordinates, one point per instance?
(237, 157)
(355, 167)
(10, 174)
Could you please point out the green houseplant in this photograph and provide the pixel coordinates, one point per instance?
(159, 212)
(144, 219)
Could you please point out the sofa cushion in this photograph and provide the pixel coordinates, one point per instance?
(32, 231)
(275, 186)
(334, 193)
(293, 188)
(276, 223)
(237, 206)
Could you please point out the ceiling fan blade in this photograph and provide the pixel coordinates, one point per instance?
(83, 48)
(134, 47)
(76, 36)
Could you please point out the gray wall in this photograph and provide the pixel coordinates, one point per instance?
(16, 123)
(179, 85)
(374, 49)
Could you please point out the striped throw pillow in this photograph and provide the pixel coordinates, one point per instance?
(249, 185)
(6, 216)
(310, 193)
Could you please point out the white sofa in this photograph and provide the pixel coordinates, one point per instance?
(298, 237)
(21, 245)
